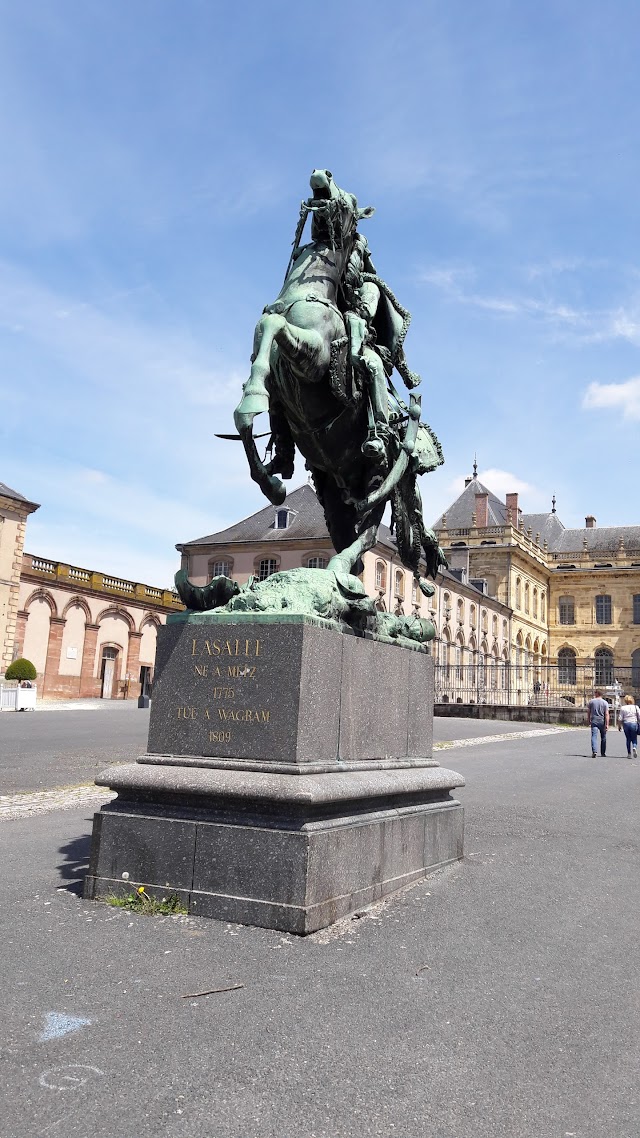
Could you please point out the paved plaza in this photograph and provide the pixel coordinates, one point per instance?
(497, 997)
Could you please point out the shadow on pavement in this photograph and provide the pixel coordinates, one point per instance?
(76, 863)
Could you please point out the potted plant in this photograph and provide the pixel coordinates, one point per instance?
(25, 673)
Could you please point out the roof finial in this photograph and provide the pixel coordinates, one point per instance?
(553, 504)
(475, 466)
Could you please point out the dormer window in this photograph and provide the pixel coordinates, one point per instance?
(282, 519)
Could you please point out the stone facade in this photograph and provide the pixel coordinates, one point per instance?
(88, 634)
(14, 511)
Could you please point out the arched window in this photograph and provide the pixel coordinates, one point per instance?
(604, 667)
(543, 606)
(399, 584)
(267, 566)
(472, 616)
(460, 608)
(526, 597)
(603, 609)
(566, 610)
(220, 568)
(566, 666)
(535, 604)
(317, 562)
(485, 621)
(381, 575)
(505, 629)
(518, 593)
(494, 627)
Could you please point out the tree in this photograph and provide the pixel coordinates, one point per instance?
(21, 670)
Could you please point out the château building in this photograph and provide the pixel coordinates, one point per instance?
(574, 593)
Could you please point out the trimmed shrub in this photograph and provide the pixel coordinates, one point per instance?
(21, 670)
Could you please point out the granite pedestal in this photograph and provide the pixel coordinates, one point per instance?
(289, 777)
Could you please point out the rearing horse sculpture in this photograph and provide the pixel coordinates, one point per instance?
(323, 356)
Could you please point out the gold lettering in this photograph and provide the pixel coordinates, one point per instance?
(207, 648)
(187, 713)
(216, 648)
(193, 650)
(200, 669)
(227, 648)
(265, 716)
(257, 647)
(206, 713)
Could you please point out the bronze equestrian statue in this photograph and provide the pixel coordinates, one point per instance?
(324, 354)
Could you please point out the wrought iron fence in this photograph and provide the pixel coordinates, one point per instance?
(547, 685)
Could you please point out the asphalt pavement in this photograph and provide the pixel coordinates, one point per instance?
(496, 998)
(51, 748)
(44, 749)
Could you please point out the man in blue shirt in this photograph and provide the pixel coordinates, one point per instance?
(598, 711)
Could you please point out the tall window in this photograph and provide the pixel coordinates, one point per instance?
(535, 604)
(636, 608)
(494, 627)
(567, 610)
(518, 593)
(414, 593)
(282, 519)
(317, 562)
(220, 569)
(399, 583)
(604, 666)
(543, 606)
(635, 668)
(266, 567)
(460, 611)
(381, 575)
(566, 666)
(603, 609)
(485, 621)
(526, 597)
(472, 616)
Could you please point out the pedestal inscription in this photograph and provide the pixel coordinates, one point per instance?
(292, 693)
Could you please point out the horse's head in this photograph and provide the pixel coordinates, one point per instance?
(335, 213)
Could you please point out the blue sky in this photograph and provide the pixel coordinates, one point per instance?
(155, 155)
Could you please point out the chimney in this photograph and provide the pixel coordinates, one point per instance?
(512, 509)
(482, 510)
(468, 480)
(590, 521)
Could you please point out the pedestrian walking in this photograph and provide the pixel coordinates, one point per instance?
(629, 722)
(598, 712)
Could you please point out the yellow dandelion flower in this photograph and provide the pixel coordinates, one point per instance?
(141, 889)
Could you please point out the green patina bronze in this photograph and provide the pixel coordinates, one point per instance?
(323, 358)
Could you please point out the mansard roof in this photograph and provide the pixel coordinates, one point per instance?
(7, 492)
(306, 523)
(459, 513)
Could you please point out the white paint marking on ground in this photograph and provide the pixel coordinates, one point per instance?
(57, 1080)
(57, 1024)
(43, 801)
(445, 744)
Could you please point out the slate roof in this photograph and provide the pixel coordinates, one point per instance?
(306, 524)
(604, 540)
(7, 492)
(459, 512)
(548, 526)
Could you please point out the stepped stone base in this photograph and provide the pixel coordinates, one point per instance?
(304, 816)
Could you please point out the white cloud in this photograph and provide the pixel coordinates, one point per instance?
(615, 396)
